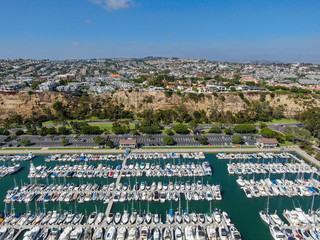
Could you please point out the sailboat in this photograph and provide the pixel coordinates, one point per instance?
(265, 214)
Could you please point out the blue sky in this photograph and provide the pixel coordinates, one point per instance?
(232, 30)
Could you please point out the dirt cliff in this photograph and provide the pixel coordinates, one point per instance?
(27, 104)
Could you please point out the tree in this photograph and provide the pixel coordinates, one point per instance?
(109, 142)
(267, 132)
(245, 128)
(19, 132)
(63, 130)
(181, 129)
(203, 140)
(90, 130)
(193, 125)
(64, 141)
(169, 132)
(24, 141)
(99, 140)
(215, 129)
(237, 139)
(168, 140)
(228, 131)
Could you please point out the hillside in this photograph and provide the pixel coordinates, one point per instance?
(27, 104)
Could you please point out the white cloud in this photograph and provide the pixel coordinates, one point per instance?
(114, 4)
(75, 43)
(88, 21)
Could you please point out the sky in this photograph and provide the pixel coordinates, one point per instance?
(222, 30)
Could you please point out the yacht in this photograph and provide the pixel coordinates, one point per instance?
(189, 233)
(111, 234)
(144, 233)
(167, 234)
(276, 233)
(76, 233)
(178, 235)
(223, 233)
(156, 234)
(125, 217)
(133, 217)
(98, 234)
(200, 233)
(54, 234)
(92, 218)
(43, 234)
(122, 233)
(117, 218)
(31, 234)
(65, 233)
(110, 218)
(212, 233)
(235, 234)
(133, 233)
(265, 217)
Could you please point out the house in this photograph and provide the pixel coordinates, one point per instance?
(128, 143)
(267, 143)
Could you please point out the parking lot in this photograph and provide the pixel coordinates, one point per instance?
(142, 140)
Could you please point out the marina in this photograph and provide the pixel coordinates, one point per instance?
(16, 158)
(243, 211)
(9, 169)
(128, 170)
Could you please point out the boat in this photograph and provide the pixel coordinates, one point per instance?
(122, 233)
(54, 234)
(156, 234)
(125, 217)
(111, 234)
(98, 233)
(178, 235)
(133, 233)
(43, 234)
(167, 234)
(92, 218)
(276, 233)
(200, 233)
(65, 233)
(110, 218)
(235, 234)
(76, 233)
(117, 218)
(144, 233)
(189, 233)
(212, 232)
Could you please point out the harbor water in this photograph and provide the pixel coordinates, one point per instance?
(243, 211)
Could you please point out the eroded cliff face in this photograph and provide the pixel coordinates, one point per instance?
(27, 104)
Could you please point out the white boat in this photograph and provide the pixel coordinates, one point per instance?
(133, 233)
(144, 233)
(156, 234)
(92, 218)
(265, 217)
(189, 233)
(111, 234)
(98, 234)
(31, 234)
(178, 235)
(117, 218)
(212, 232)
(167, 234)
(65, 233)
(200, 233)
(235, 234)
(122, 233)
(133, 217)
(276, 233)
(76, 233)
(125, 217)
